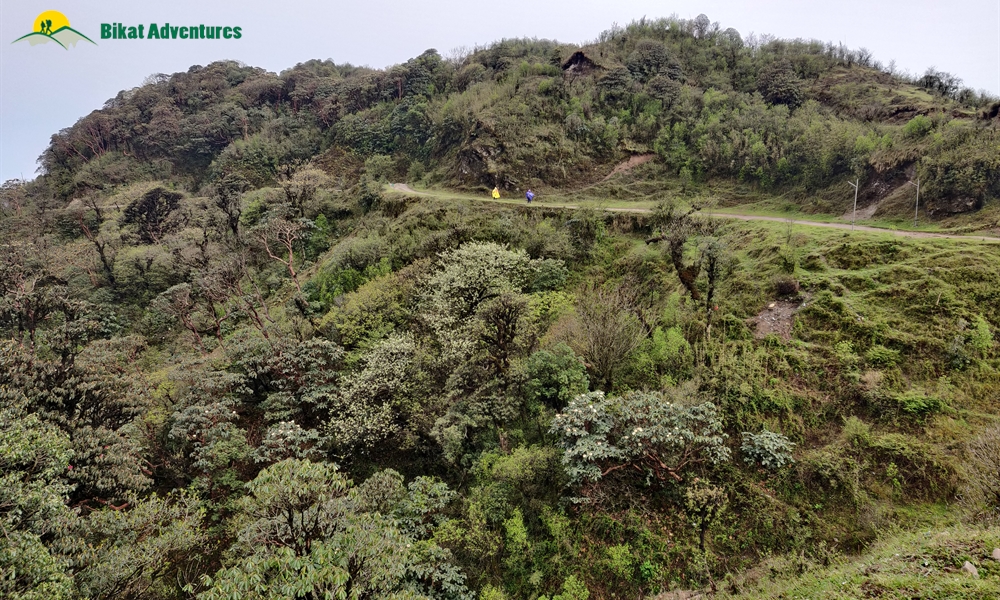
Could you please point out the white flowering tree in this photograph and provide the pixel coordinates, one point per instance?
(374, 401)
(476, 307)
(468, 278)
(646, 432)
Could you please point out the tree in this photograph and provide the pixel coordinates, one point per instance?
(651, 58)
(228, 197)
(702, 25)
(12, 197)
(664, 89)
(780, 84)
(93, 395)
(106, 239)
(374, 402)
(304, 531)
(149, 214)
(940, 82)
(649, 433)
(34, 459)
(499, 330)
(29, 296)
(713, 259)
(703, 504)
(680, 226)
(149, 550)
(555, 377)
(300, 189)
(607, 330)
(177, 301)
(616, 85)
(467, 278)
(278, 236)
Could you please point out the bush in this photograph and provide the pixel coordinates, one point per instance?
(620, 561)
(550, 274)
(916, 404)
(491, 592)
(573, 589)
(917, 127)
(981, 338)
(369, 194)
(379, 167)
(785, 285)
(856, 432)
(662, 358)
(767, 448)
(880, 356)
(330, 284)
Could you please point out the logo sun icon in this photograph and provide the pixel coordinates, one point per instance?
(53, 26)
(50, 22)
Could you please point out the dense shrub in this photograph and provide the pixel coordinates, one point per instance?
(769, 449)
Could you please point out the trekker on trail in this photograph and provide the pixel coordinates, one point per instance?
(530, 195)
(496, 193)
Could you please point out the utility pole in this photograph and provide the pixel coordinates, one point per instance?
(916, 206)
(854, 217)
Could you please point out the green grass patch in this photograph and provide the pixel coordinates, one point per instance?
(923, 564)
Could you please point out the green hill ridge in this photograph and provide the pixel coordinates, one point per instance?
(71, 36)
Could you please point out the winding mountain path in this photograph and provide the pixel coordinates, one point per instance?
(402, 187)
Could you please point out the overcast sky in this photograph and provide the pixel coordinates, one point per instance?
(45, 88)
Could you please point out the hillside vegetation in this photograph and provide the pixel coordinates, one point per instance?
(235, 365)
(789, 117)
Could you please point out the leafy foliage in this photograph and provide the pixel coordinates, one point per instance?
(555, 376)
(305, 531)
(769, 449)
(652, 433)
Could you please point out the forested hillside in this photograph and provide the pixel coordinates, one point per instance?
(235, 364)
(775, 115)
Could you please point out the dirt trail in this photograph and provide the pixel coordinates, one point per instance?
(402, 187)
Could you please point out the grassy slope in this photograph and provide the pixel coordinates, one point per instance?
(873, 292)
(922, 564)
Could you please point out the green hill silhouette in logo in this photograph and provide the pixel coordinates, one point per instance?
(64, 36)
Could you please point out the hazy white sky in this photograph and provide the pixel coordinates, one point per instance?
(45, 88)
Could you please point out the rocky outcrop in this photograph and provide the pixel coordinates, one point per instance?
(943, 207)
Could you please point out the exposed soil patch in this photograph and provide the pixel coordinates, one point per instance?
(863, 213)
(777, 318)
(629, 164)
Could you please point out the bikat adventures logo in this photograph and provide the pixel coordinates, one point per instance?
(53, 26)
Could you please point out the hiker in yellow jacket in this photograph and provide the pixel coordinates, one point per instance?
(496, 193)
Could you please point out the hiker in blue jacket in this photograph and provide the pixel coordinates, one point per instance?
(530, 195)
